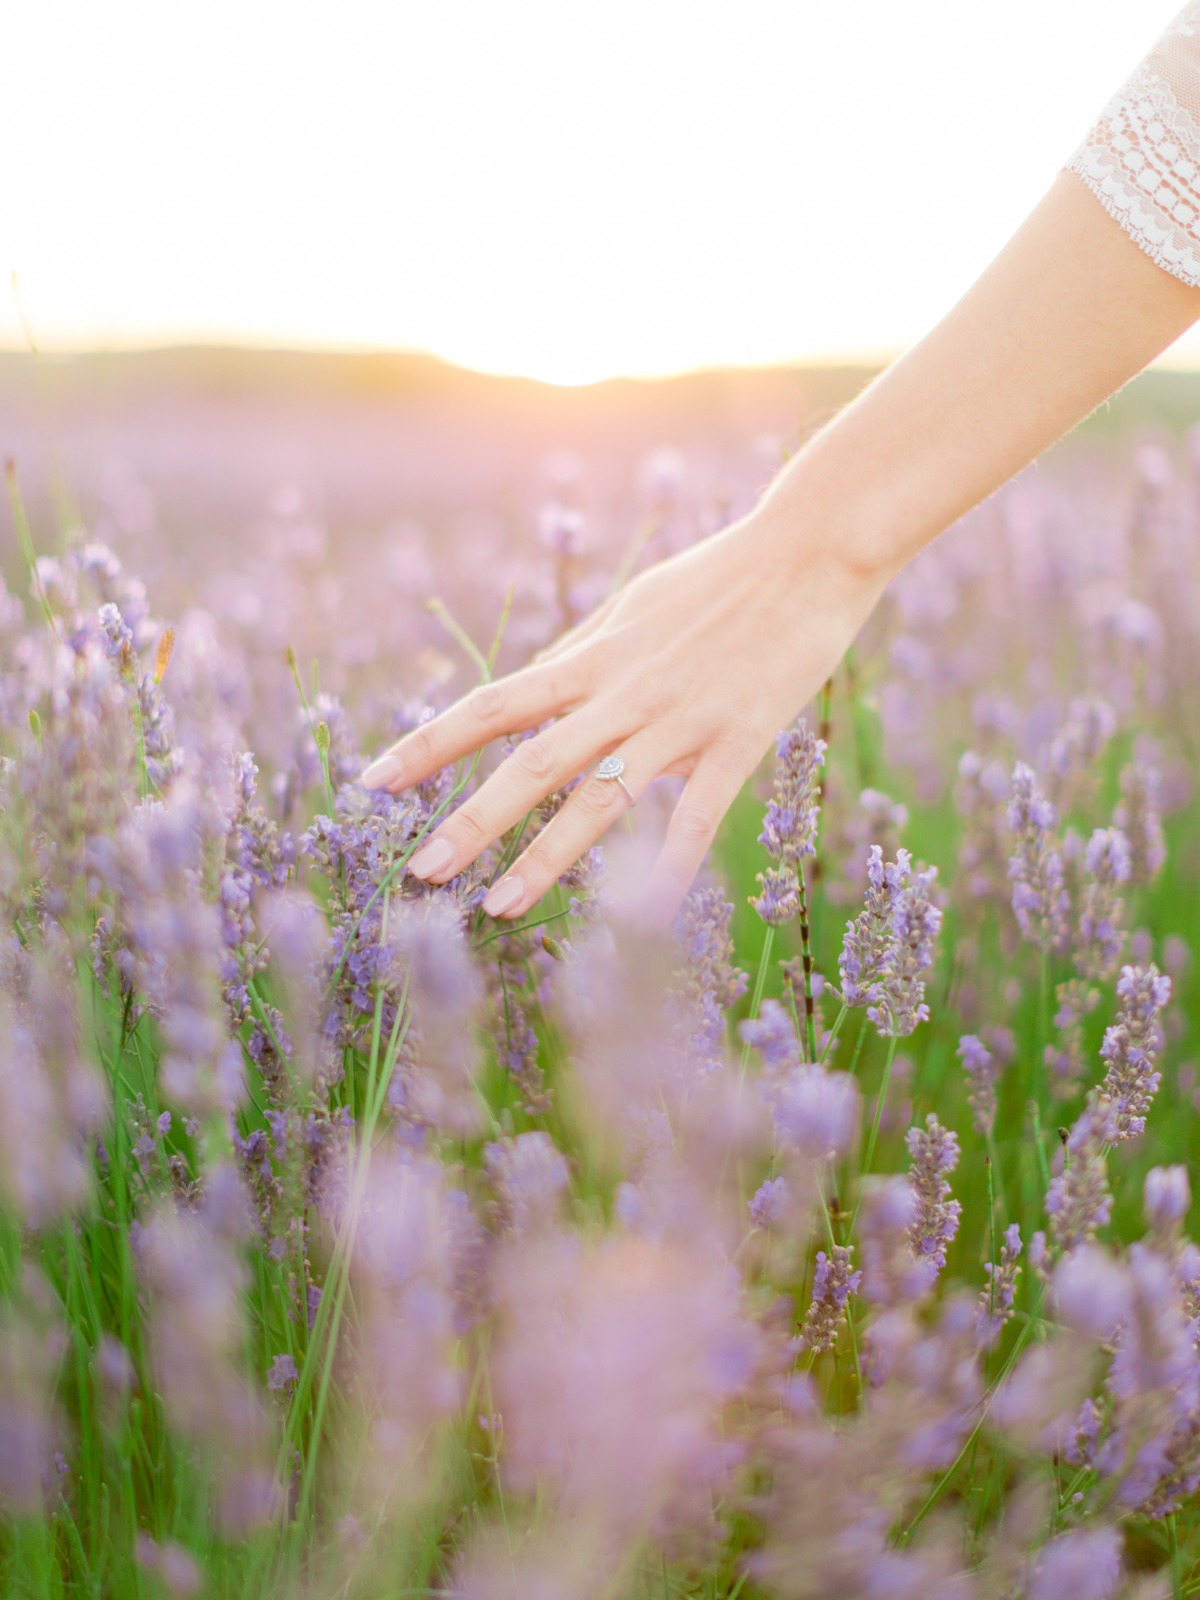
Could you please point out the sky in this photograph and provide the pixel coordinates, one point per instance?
(560, 188)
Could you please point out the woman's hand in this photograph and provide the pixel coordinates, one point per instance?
(690, 669)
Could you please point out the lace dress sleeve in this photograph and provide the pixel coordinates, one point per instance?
(1141, 158)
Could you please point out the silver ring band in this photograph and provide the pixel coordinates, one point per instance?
(610, 768)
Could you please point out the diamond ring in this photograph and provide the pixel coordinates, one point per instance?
(611, 767)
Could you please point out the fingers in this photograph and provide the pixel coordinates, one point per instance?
(588, 811)
(707, 796)
(510, 705)
(538, 765)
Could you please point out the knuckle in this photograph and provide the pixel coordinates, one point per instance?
(470, 827)
(486, 701)
(596, 798)
(694, 823)
(534, 757)
(423, 748)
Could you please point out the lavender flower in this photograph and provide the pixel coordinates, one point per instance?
(982, 1070)
(899, 1003)
(867, 944)
(1138, 818)
(1167, 1198)
(530, 1177)
(790, 826)
(934, 1152)
(283, 1375)
(1108, 862)
(980, 794)
(768, 1203)
(833, 1284)
(1079, 1201)
(1085, 1564)
(707, 983)
(995, 1304)
(1039, 894)
(1129, 1049)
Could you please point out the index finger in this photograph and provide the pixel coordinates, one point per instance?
(513, 704)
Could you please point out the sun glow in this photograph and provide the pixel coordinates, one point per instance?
(566, 192)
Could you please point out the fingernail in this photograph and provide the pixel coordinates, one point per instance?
(433, 855)
(509, 892)
(382, 772)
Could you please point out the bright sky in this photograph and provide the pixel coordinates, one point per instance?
(564, 188)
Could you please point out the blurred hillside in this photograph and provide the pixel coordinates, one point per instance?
(211, 430)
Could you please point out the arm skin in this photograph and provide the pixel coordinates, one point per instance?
(695, 664)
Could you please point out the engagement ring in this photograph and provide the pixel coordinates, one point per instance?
(613, 767)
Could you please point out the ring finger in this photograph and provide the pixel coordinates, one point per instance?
(589, 810)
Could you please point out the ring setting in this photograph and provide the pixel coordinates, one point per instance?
(611, 768)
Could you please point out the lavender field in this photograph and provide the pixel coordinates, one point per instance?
(832, 1246)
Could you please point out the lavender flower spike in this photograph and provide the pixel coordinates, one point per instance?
(1130, 1046)
(996, 1302)
(1137, 817)
(1039, 895)
(833, 1284)
(1079, 1200)
(867, 946)
(790, 825)
(934, 1152)
(982, 1071)
(900, 997)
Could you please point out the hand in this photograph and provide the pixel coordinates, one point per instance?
(690, 669)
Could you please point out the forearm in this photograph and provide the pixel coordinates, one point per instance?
(1068, 311)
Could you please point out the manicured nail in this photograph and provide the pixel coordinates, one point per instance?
(382, 772)
(433, 855)
(506, 894)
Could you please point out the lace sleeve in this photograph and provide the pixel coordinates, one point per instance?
(1141, 158)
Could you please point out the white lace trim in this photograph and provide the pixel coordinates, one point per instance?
(1142, 162)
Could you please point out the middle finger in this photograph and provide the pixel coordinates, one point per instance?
(535, 768)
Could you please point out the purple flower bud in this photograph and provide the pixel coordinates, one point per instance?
(833, 1284)
(768, 1203)
(1039, 894)
(1167, 1197)
(982, 1070)
(934, 1152)
(1130, 1046)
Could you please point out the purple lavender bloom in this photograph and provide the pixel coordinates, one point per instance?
(899, 1003)
(779, 901)
(1130, 1047)
(283, 1375)
(768, 1203)
(708, 983)
(1090, 723)
(867, 945)
(891, 1276)
(1167, 1197)
(1039, 895)
(982, 1070)
(833, 1284)
(1101, 939)
(1138, 819)
(530, 1177)
(816, 1112)
(934, 1152)
(790, 826)
(1085, 1564)
(773, 1034)
(1079, 1200)
(995, 1304)
(980, 794)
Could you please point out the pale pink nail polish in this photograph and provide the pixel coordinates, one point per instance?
(381, 773)
(433, 855)
(506, 895)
